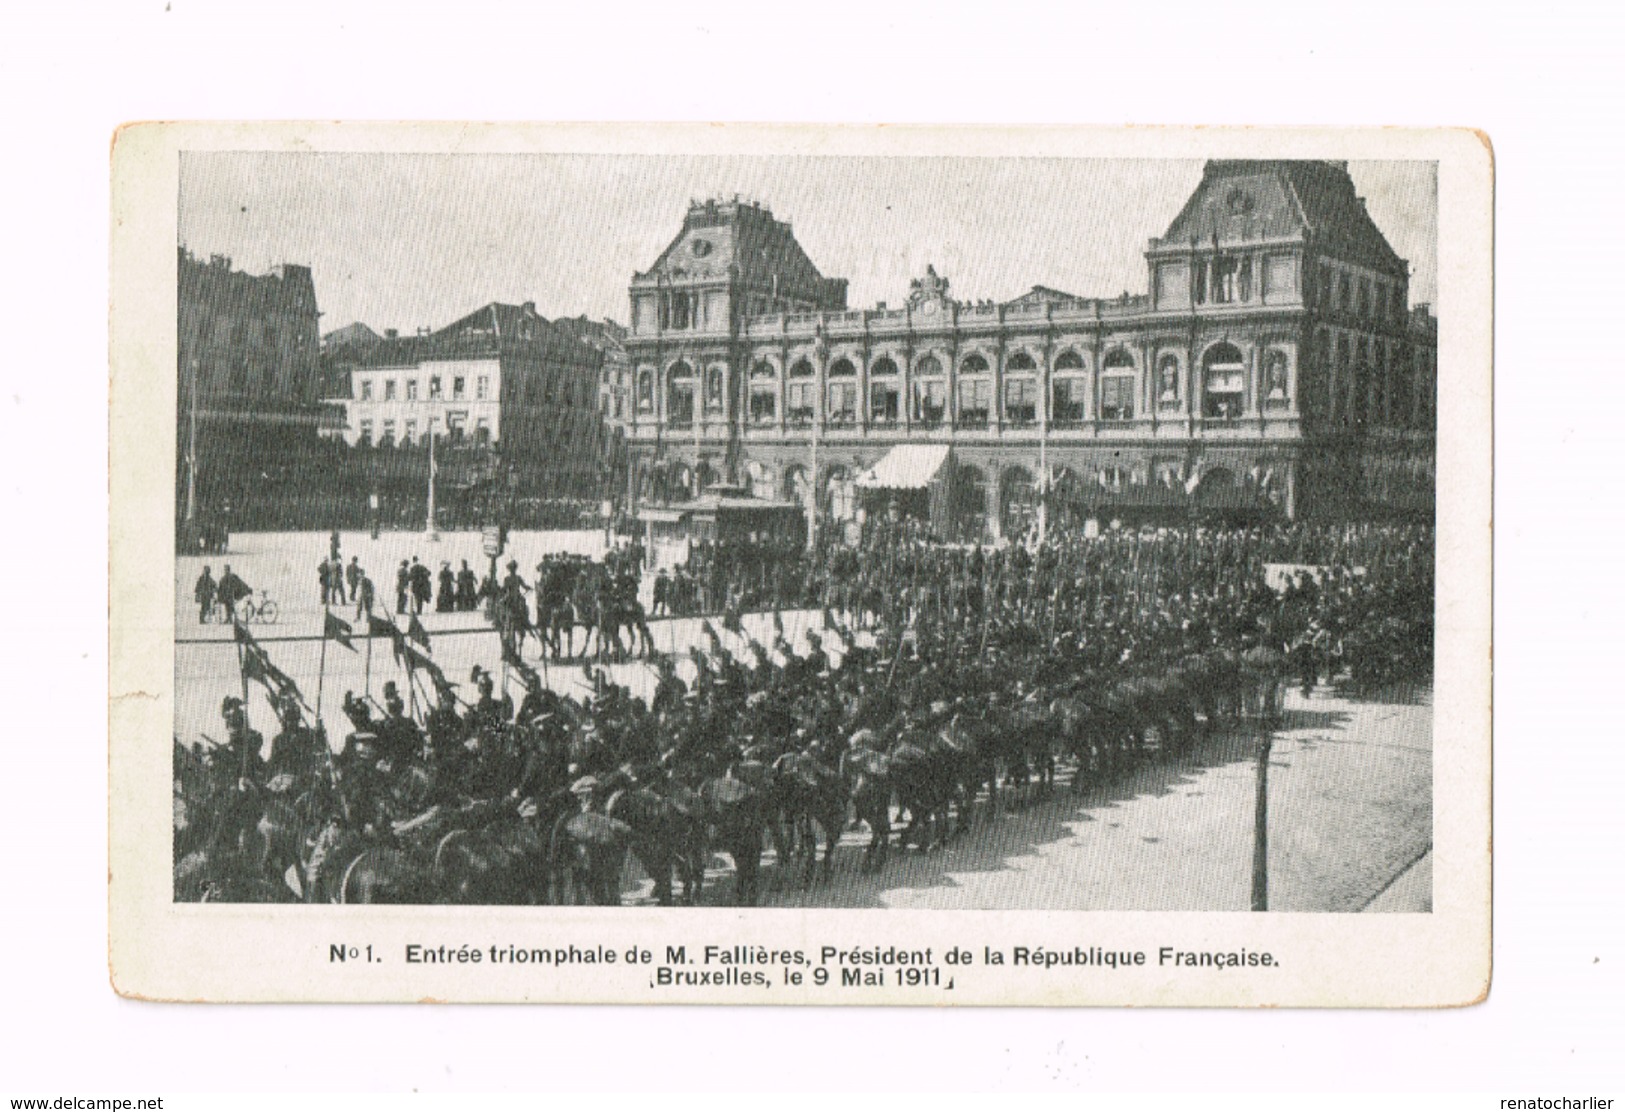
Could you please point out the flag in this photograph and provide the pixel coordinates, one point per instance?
(257, 666)
(415, 658)
(383, 627)
(1194, 479)
(417, 633)
(339, 630)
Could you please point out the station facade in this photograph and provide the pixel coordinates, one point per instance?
(1275, 367)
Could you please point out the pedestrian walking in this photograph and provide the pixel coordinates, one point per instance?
(203, 594)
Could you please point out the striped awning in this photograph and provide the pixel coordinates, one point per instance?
(905, 467)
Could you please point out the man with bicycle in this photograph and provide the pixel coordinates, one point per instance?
(231, 590)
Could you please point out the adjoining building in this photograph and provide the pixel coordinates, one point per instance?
(1275, 368)
(502, 378)
(248, 375)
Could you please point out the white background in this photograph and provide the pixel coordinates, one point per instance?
(1544, 81)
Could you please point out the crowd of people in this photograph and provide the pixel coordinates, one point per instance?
(959, 671)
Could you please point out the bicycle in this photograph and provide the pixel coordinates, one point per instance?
(264, 613)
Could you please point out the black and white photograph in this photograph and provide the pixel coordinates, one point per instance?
(776, 531)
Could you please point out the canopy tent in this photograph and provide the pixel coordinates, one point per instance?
(906, 467)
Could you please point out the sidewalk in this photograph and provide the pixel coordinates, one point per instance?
(1411, 890)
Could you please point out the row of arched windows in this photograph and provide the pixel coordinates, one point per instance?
(1223, 386)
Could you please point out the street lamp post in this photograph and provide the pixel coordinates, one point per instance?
(191, 445)
(1261, 851)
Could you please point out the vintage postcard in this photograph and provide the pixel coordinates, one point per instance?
(800, 565)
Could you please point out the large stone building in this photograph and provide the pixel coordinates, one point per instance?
(248, 373)
(1274, 368)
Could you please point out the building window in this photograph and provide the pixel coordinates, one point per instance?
(1345, 298)
(434, 387)
(843, 403)
(411, 389)
(763, 371)
(365, 439)
(366, 389)
(389, 435)
(975, 401)
(764, 405)
(1114, 478)
(883, 409)
(411, 434)
(1244, 279)
(1067, 404)
(1224, 382)
(842, 368)
(458, 387)
(1168, 381)
(973, 365)
(482, 387)
(1365, 297)
(882, 368)
(930, 392)
(802, 393)
(482, 431)
(1222, 285)
(389, 389)
(1117, 387)
(646, 391)
(680, 395)
(1117, 397)
(1021, 400)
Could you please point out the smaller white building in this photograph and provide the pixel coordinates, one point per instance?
(400, 405)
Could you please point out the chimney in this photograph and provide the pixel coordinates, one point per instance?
(392, 333)
(530, 308)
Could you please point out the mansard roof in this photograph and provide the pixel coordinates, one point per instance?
(1240, 200)
(493, 330)
(736, 237)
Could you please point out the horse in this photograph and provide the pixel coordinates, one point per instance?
(811, 793)
(867, 773)
(385, 875)
(584, 856)
(665, 838)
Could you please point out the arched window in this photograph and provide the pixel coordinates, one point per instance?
(646, 390)
(1117, 386)
(884, 408)
(1020, 389)
(843, 393)
(975, 392)
(764, 393)
(1068, 389)
(803, 393)
(1018, 502)
(680, 394)
(1224, 382)
(969, 517)
(930, 392)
